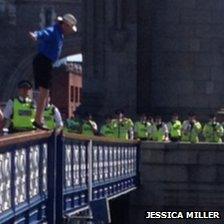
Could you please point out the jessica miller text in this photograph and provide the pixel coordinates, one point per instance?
(183, 215)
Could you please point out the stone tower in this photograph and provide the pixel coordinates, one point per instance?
(110, 55)
(154, 56)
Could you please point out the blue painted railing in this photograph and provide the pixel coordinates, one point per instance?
(23, 177)
(44, 177)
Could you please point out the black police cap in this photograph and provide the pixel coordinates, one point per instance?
(212, 115)
(24, 84)
(119, 111)
(191, 114)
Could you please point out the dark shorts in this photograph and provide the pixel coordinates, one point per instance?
(42, 70)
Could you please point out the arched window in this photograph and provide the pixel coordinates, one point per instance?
(2, 6)
(12, 13)
(48, 16)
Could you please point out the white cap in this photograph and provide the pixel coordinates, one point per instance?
(70, 20)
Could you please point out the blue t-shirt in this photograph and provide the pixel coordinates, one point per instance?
(50, 41)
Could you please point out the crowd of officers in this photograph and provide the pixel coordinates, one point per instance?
(148, 128)
(19, 113)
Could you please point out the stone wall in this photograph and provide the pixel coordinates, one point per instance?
(110, 56)
(154, 56)
(187, 55)
(179, 177)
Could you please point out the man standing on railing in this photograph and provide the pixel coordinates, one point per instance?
(20, 110)
(50, 42)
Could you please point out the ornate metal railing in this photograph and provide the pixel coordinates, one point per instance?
(23, 177)
(44, 176)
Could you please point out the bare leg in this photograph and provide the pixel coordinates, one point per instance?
(41, 103)
(2, 123)
(1, 115)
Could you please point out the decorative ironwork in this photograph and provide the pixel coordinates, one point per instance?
(95, 164)
(100, 161)
(44, 167)
(5, 181)
(68, 165)
(34, 170)
(29, 172)
(111, 162)
(20, 176)
(76, 167)
(83, 164)
(106, 162)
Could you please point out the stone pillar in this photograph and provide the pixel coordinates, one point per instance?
(144, 55)
(110, 43)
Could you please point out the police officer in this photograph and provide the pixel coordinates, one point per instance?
(74, 124)
(52, 116)
(159, 130)
(20, 110)
(123, 126)
(141, 128)
(89, 126)
(213, 130)
(191, 129)
(108, 129)
(174, 127)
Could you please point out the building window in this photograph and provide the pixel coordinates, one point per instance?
(76, 94)
(72, 93)
(12, 14)
(80, 95)
(48, 17)
(2, 6)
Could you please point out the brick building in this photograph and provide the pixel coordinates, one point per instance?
(67, 87)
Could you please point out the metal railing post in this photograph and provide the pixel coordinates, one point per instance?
(90, 171)
(51, 180)
(60, 164)
(138, 157)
